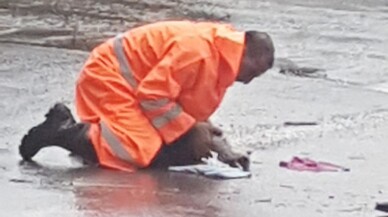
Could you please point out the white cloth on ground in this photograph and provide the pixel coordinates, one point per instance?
(212, 171)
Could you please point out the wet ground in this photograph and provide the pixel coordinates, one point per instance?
(346, 38)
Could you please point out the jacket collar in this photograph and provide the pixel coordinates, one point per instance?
(230, 45)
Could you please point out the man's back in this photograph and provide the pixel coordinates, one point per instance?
(179, 60)
(147, 45)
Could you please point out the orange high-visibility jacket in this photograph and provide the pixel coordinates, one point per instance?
(147, 87)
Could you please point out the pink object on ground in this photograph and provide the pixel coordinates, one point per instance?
(306, 164)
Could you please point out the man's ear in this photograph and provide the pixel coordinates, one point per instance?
(249, 35)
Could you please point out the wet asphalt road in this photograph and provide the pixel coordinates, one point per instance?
(347, 38)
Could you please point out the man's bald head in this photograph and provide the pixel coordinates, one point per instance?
(258, 55)
(258, 44)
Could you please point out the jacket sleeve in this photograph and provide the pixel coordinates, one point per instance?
(159, 91)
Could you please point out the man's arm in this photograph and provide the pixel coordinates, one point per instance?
(159, 91)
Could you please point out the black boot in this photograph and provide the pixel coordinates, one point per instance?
(75, 139)
(42, 135)
(59, 129)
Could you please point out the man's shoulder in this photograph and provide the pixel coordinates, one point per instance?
(193, 42)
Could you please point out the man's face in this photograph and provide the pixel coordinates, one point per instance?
(254, 67)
